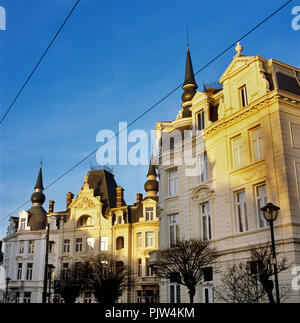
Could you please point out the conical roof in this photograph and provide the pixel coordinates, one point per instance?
(39, 181)
(189, 72)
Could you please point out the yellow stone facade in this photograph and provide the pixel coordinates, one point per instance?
(91, 229)
(249, 149)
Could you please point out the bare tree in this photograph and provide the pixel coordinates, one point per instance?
(251, 282)
(72, 282)
(263, 257)
(187, 260)
(107, 277)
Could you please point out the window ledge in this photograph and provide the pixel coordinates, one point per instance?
(252, 164)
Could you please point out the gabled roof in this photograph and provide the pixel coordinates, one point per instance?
(238, 63)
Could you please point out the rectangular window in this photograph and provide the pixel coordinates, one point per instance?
(31, 246)
(243, 96)
(149, 296)
(237, 152)
(241, 207)
(22, 224)
(173, 182)
(174, 293)
(173, 229)
(139, 267)
(29, 271)
(261, 200)
(51, 247)
(18, 297)
(21, 247)
(65, 270)
(87, 298)
(200, 121)
(149, 271)
(104, 243)
(78, 245)
(149, 214)
(208, 296)
(139, 296)
(256, 144)
(27, 297)
(203, 168)
(208, 274)
(139, 240)
(66, 246)
(206, 221)
(90, 244)
(19, 271)
(149, 239)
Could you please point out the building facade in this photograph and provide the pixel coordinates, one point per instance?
(97, 221)
(232, 149)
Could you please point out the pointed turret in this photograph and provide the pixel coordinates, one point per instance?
(37, 214)
(189, 72)
(189, 85)
(39, 181)
(151, 186)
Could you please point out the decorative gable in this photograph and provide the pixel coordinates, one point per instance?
(237, 65)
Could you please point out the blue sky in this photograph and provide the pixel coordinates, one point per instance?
(112, 60)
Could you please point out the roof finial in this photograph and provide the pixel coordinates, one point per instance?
(187, 36)
(41, 162)
(239, 49)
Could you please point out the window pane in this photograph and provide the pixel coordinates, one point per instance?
(172, 294)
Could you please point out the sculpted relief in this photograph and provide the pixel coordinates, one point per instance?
(85, 203)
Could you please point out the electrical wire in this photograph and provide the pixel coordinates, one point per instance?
(161, 100)
(39, 62)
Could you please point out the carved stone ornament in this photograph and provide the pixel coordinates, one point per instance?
(202, 194)
(85, 204)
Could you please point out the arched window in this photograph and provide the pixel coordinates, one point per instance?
(85, 221)
(52, 246)
(120, 243)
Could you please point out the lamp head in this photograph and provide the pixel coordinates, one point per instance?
(270, 212)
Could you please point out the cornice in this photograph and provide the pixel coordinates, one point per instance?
(254, 107)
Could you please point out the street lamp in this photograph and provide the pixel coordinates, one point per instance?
(7, 279)
(270, 213)
(50, 271)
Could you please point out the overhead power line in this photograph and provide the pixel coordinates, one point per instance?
(39, 62)
(161, 100)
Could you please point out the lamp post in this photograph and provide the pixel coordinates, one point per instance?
(7, 279)
(50, 270)
(270, 213)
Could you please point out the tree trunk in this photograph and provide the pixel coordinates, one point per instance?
(192, 292)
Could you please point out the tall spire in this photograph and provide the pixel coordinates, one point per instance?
(189, 85)
(151, 170)
(189, 72)
(39, 181)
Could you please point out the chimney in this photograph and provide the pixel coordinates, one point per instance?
(139, 198)
(51, 206)
(120, 196)
(70, 197)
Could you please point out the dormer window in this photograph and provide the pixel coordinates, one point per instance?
(200, 120)
(120, 219)
(22, 226)
(149, 214)
(243, 96)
